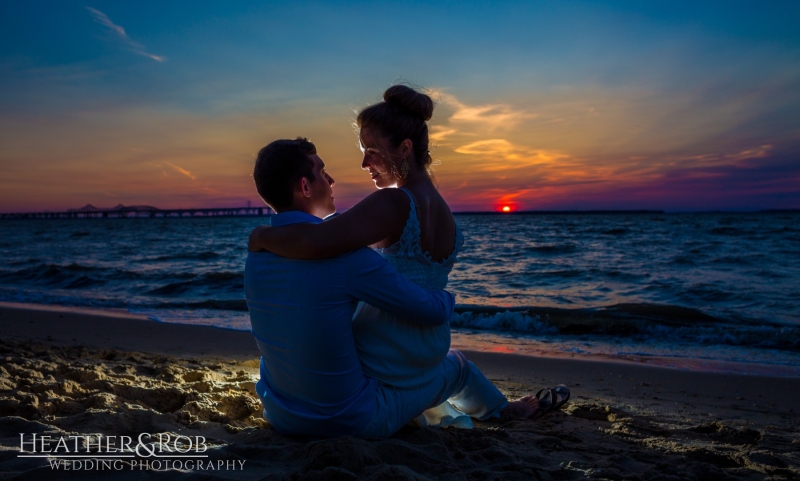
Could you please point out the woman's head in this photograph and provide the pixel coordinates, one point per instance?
(401, 116)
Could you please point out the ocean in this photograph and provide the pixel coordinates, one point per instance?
(705, 291)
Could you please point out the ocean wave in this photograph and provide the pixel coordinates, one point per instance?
(662, 322)
(217, 304)
(223, 280)
(502, 321)
(782, 229)
(616, 231)
(559, 274)
(172, 289)
(62, 299)
(783, 337)
(84, 281)
(56, 275)
(48, 270)
(18, 263)
(736, 260)
(684, 260)
(552, 249)
(707, 292)
(71, 276)
(47, 274)
(770, 274)
(732, 231)
(620, 275)
(185, 256)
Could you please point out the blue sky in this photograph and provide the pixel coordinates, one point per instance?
(541, 105)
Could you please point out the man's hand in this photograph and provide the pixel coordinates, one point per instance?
(253, 244)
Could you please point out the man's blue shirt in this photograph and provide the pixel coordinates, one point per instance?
(300, 311)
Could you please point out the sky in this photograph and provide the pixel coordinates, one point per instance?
(564, 105)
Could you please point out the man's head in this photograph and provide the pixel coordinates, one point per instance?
(289, 175)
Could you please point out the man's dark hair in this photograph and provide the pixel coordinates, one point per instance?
(279, 166)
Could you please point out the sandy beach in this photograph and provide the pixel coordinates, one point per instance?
(71, 372)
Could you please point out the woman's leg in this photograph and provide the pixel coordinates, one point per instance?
(479, 397)
(459, 380)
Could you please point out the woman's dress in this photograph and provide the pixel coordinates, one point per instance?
(400, 353)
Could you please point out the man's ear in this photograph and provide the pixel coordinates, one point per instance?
(305, 187)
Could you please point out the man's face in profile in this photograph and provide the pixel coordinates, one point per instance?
(321, 189)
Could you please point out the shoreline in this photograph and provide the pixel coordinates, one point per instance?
(121, 330)
(78, 372)
(132, 332)
(462, 339)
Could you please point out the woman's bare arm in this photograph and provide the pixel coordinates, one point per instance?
(380, 215)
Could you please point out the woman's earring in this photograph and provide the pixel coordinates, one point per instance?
(404, 168)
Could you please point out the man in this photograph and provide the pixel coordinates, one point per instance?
(311, 379)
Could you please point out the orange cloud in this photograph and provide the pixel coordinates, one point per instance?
(488, 116)
(182, 170)
(502, 155)
(439, 134)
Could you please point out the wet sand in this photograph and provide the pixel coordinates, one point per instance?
(77, 372)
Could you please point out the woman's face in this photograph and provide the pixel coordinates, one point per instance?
(377, 158)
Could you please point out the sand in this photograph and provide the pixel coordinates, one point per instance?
(67, 372)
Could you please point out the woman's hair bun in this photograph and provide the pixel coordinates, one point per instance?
(418, 104)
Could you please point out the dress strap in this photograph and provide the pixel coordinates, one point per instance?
(408, 192)
(413, 218)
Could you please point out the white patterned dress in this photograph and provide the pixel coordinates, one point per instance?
(400, 353)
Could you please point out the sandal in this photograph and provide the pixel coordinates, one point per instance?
(546, 398)
(560, 396)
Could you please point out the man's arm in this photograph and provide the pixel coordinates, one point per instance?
(370, 278)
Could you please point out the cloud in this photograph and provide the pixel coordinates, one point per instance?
(500, 154)
(439, 134)
(499, 147)
(181, 170)
(760, 152)
(119, 32)
(489, 116)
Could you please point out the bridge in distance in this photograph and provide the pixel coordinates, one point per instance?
(144, 211)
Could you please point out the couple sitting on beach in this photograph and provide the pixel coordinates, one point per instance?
(349, 346)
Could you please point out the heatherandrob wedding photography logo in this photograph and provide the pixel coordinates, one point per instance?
(146, 452)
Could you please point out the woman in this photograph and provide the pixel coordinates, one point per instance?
(409, 223)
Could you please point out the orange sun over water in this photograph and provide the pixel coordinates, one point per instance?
(506, 208)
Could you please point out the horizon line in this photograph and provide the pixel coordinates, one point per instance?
(462, 212)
